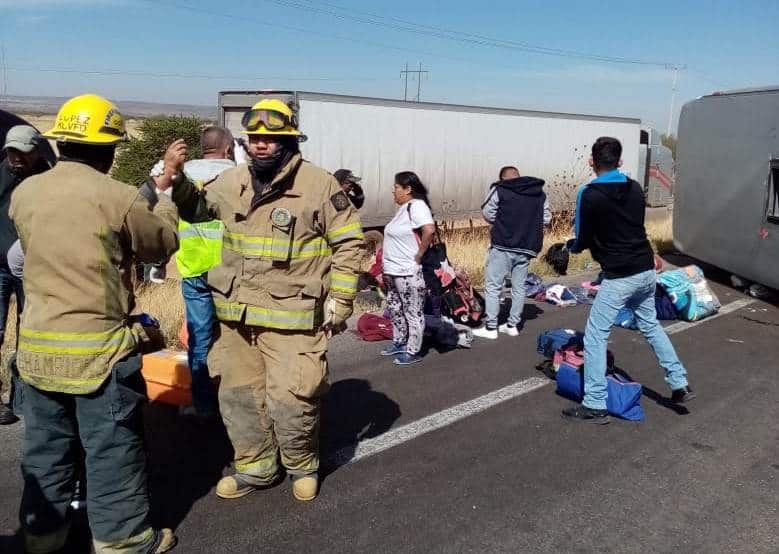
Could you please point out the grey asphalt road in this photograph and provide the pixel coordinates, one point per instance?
(514, 477)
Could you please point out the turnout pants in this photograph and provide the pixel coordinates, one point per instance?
(107, 423)
(269, 396)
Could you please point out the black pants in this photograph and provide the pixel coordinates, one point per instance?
(9, 286)
(107, 423)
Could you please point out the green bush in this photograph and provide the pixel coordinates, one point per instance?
(135, 159)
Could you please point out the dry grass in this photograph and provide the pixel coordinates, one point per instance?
(467, 248)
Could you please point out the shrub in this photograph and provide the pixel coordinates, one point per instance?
(135, 158)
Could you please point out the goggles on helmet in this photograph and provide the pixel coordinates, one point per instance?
(270, 119)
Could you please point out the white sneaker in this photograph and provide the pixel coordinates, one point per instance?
(485, 333)
(509, 330)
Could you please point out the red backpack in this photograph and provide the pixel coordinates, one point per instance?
(373, 328)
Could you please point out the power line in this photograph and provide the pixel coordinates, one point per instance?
(336, 36)
(312, 32)
(4, 68)
(370, 18)
(177, 75)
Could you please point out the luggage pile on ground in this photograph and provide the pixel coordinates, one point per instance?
(682, 294)
(564, 353)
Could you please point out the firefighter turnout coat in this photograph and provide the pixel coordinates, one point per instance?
(285, 250)
(80, 231)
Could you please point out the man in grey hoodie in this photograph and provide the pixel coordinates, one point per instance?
(200, 250)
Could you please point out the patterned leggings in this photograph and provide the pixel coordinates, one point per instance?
(406, 301)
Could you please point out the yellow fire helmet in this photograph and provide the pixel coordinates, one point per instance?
(88, 119)
(271, 117)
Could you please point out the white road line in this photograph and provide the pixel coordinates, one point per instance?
(405, 433)
(444, 418)
(724, 310)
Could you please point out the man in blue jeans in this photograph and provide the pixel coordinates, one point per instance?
(610, 222)
(518, 210)
(200, 250)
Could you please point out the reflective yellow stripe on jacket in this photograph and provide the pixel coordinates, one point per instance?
(343, 283)
(352, 230)
(265, 247)
(75, 344)
(264, 317)
(74, 363)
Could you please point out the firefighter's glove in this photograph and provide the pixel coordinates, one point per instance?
(337, 311)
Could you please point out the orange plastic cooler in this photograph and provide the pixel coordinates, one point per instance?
(167, 377)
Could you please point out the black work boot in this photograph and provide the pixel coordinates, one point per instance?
(583, 414)
(682, 395)
(7, 416)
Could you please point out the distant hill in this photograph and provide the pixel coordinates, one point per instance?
(50, 105)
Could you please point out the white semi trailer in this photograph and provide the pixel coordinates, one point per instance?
(456, 150)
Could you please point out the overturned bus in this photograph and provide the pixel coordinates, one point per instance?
(726, 209)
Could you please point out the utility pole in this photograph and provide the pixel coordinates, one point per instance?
(418, 72)
(676, 69)
(3, 71)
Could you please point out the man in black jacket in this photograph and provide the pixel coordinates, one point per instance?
(23, 159)
(610, 222)
(518, 209)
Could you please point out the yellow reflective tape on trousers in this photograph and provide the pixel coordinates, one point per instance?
(264, 317)
(264, 467)
(352, 230)
(343, 283)
(75, 344)
(264, 247)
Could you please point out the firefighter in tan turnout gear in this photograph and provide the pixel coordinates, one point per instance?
(291, 254)
(78, 358)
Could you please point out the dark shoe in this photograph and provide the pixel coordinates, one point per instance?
(583, 414)
(7, 417)
(393, 349)
(680, 396)
(407, 359)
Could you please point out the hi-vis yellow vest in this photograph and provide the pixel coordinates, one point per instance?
(200, 247)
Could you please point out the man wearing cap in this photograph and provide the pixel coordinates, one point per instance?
(22, 159)
(350, 184)
(291, 253)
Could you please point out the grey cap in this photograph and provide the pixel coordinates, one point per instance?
(23, 138)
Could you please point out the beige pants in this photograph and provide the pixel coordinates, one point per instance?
(269, 397)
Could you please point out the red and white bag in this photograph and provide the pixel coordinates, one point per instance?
(574, 356)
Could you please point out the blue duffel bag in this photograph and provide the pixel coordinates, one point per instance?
(557, 339)
(624, 396)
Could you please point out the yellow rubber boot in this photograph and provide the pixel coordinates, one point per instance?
(167, 541)
(305, 488)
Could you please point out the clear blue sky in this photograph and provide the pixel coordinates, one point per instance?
(278, 44)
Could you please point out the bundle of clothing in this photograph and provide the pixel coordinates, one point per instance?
(557, 294)
(442, 331)
(682, 294)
